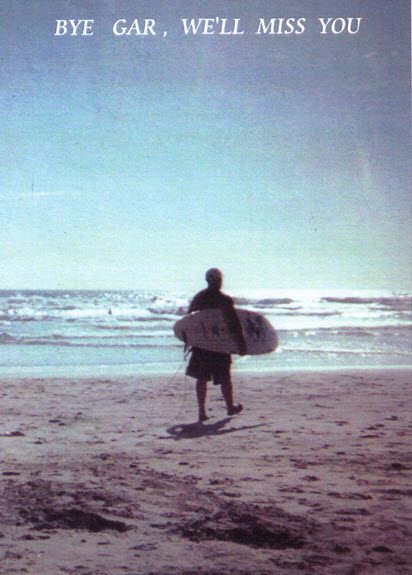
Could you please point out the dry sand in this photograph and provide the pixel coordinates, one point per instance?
(108, 476)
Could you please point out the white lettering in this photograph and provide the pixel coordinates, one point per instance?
(210, 26)
(338, 22)
(301, 25)
(281, 26)
(339, 25)
(350, 21)
(208, 29)
(234, 31)
(192, 27)
(236, 26)
(76, 30)
(264, 28)
(61, 27)
(324, 24)
(121, 28)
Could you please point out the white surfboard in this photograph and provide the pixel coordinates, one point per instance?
(208, 329)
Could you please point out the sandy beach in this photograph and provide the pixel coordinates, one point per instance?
(114, 476)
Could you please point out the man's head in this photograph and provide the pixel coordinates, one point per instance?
(214, 278)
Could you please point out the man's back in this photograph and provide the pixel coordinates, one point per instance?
(210, 299)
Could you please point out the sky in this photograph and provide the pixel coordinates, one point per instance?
(139, 161)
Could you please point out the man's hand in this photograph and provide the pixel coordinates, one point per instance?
(243, 348)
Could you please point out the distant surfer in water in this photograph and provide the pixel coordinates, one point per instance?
(207, 365)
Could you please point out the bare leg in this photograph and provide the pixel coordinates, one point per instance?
(227, 392)
(201, 392)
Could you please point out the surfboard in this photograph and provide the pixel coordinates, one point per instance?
(208, 330)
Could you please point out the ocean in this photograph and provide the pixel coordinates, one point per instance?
(131, 331)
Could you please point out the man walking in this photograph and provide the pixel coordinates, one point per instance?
(206, 365)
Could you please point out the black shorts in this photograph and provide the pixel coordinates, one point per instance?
(209, 365)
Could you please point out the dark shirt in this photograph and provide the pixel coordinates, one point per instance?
(211, 299)
(214, 298)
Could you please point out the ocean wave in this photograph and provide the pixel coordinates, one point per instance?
(16, 300)
(168, 308)
(144, 327)
(72, 314)
(6, 338)
(274, 301)
(23, 318)
(263, 303)
(99, 345)
(308, 313)
(351, 331)
(398, 303)
(340, 351)
(122, 327)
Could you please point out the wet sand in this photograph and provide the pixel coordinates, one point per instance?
(108, 476)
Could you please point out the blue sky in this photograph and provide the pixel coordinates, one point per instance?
(139, 162)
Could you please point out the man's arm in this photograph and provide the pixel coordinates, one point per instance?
(194, 304)
(234, 325)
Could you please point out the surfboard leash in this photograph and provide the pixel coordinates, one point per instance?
(162, 390)
(186, 353)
